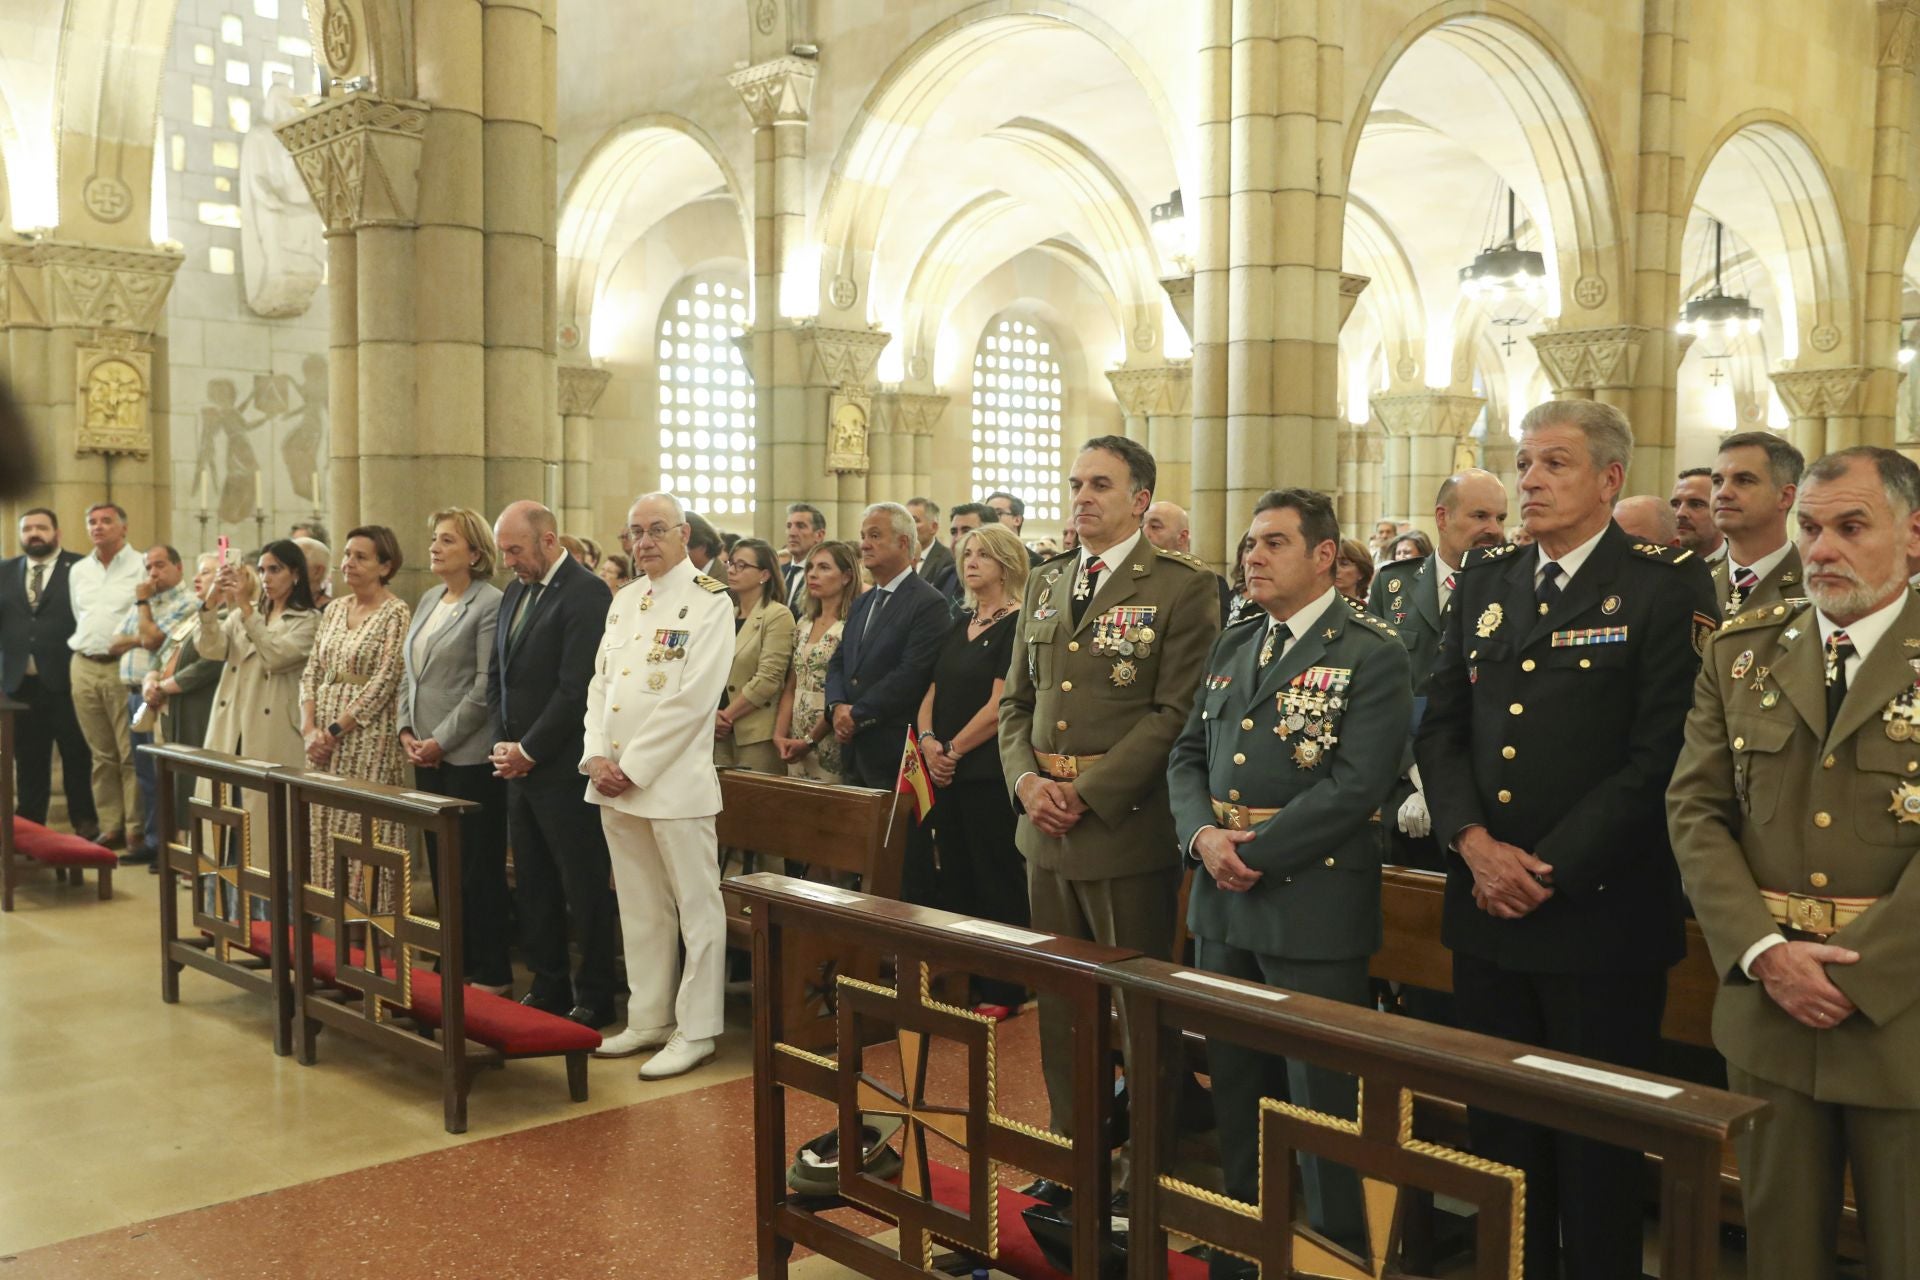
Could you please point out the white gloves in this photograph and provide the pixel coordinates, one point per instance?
(1414, 818)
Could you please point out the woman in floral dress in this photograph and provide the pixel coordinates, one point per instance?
(804, 731)
(348, 700)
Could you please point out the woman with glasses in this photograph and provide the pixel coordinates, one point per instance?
(762, 652)
(803, 731)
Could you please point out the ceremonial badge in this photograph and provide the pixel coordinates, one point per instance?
(657, 681)
(1771, 700)
(1044, 612)
(1218, 682)
(668, 646)
(1906, 803)
(1394, 585)
(1743, 664)
(1610, 605)
(1759, 684)
(646, 602)
(1490, 619)
(1704, 625)
(683, 611)
(1902, 716)
(1590, 635)
(1125, 631)
(1124, 673)
(613, 619)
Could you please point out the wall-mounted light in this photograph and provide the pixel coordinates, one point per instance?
(1167, 223)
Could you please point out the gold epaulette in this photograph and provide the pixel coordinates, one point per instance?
(1666, 555)
(1483, 555)
(1192, 562)
(1766, 615)
(713, 585)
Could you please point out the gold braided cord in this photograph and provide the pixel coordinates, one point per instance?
(1179, 1186)
(1517, 1232)
(1041, 1135)
(873, 987)
(793, 1051)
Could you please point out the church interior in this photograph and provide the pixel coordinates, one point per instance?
(266, 263)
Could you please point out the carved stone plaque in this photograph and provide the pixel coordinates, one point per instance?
(847, 435)
(114, 402)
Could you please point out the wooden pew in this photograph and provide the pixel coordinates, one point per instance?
(24, 842)
(836, 831)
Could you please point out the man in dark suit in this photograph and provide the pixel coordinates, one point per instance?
(881, 670)
(931, 558)
(806, 529)
(552, 617)
(963, 519)
(1554, 718)
(36, 617)
(1280, 821)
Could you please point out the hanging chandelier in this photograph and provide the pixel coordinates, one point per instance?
(1168, 227)
(1504, 269)
(1909, 344)
(1716, 310)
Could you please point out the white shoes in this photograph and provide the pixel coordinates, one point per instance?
(632, 1041)
(680, 1056)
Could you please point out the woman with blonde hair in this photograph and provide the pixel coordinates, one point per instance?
(978, 871)
(445, 730)
(803, 731)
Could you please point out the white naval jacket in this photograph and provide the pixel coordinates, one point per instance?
(656, 688)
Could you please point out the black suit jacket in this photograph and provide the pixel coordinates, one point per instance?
(934, 565)
(538, 686)
(42, 632)
(883, 671)
(1559, 733)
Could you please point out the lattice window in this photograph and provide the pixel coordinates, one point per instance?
(706, 402)
(1016, 418)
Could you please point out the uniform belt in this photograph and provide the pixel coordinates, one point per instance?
(1062, 768)
(100, 657)
(1817, 916)
(345, 677)
(1240, 817)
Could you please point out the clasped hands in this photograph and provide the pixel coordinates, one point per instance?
(940, 765)
(1507, 880)
(1795, 977)
(422, 753)
(607, 777)
(1219, 852)
(509, 761)
(1053, 807)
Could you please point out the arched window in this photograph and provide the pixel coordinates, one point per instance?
(1016, 417)
(706, 401)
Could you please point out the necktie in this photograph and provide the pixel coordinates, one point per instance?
(1276, 642)
(1839, 649)
(36, 584)
(1449, 582)
(527, 602)
(1085, 589)
(1549, 589)
(1744, 580)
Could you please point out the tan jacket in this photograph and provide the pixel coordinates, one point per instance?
(1778, 587)
(762, 651)
(1070, 691)
(256, 710)
(1764, 798)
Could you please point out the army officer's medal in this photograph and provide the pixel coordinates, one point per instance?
(1124, 673)
(1743, 664)
(657, 681)
(1490, 620)
(1906, 803)
(646, 602)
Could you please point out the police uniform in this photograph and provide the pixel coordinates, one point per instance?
(1779, 584)
(658, 676)
(1407, 595)
(1301, 751)
(1099, 703)
(1556, 726)
(1783, 827)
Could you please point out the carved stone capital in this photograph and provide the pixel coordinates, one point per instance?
(360, 158)
(914, 414)
(1428, 413)
(776, 92)
(1821, 393)
(1898, 23)
(580, 389)
(839, 357)
(1585, 359)
(1179, 291)
(52, 282)
(1154, 392)
(1351, 287)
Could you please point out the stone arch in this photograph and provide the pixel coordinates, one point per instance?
(1553, 157)
(1763, 179)
(107, 98)
(636, 175)
(908, 95)
(1393, 298)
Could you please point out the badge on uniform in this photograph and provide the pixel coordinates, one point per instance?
(1906, 803)
(1044, 612)
(668, 646)
(1309, 708)
(1704, 625)
(1490, 619)
(1215, 683)
(1591, 635)
(646, 601)
(1902, 716)
(1743, 664)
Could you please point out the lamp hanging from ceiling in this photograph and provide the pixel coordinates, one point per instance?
(1716, 311)
(1167, 223)
(1503, 269)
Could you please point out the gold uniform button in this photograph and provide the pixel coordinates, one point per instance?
(623, 670)
(1504, 796)
(1818, 879)
(1066, 686)
(1060, 724)
(1912, 765)
(616, 708)
(1585, 663)
(615, 746)
(1233, 794)
(1515, 709)
(1527, 665)
(1827, 763)
(1239, 757)
(1247, 723)
(1508, 753)
(1073, 646)
(1329, 861)
(1739, 744)
(1823, 820)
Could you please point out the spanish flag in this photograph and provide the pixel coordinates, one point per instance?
(913, 777)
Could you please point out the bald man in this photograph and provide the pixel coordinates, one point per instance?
(1166, 526)
(1645, 518)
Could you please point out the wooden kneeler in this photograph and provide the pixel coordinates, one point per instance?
(25, 842)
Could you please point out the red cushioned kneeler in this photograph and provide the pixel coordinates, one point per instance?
(1019, 1255)
(58, 849)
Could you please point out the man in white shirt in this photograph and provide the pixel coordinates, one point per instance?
(103, 585)
(1755, 480)
(1795, 815)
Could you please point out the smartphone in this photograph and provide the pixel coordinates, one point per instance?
(224, 543)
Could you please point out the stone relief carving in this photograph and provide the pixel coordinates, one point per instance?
(282, 243)
(360, 158)
(225, 423)
(107, 197)
(115, 396)
(302, 448)
(847, 435)
(337, 36)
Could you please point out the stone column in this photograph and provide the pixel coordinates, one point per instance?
(1899, 36)
(837, 368)
(1660, 223)
(1160, 400)
(1825, 405)
(1603, 364)
(917, 417)
(778, 95)
(1206, 296)
(580, 388)
(1434, 425)
(1497, 450)
(86, 354)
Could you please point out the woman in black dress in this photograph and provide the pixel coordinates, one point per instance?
(964, 859)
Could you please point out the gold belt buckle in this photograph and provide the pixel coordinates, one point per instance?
(1065, 768)
(1810, 915)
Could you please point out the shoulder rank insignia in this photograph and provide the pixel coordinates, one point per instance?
(1481, 555)
(713, 585)
(1192, 562)
(1666, 555)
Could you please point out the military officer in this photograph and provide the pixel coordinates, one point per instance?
(1795, 815)
(648, 755)
(1293, 743)
(1111, 644)
(1553, 721)
(1469, 511)
(1755, 478)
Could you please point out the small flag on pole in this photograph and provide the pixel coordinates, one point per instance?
(913, 778)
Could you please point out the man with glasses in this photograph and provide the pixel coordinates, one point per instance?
(648, 755)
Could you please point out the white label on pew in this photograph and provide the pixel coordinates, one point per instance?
(824, 893)
(1228, 984)
(253, 764)
(1594, 1075)
(1000, 932)
(421, 795)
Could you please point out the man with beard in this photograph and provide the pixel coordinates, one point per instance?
(1755, 480)
(1469, 511)
(1692, 504)
(1795, 816)
(36, 617)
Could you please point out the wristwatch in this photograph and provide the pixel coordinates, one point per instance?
(335, 731)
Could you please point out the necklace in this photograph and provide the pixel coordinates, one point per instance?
(980, 624)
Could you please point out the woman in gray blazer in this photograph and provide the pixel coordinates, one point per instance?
(445, 730)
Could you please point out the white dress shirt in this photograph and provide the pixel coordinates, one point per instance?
(1569, 563)
(1442, 591)
(1302, 619)
(1762, 567)
(102, 594)
(1112, 558)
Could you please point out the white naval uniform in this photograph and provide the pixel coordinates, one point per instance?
(653, 715)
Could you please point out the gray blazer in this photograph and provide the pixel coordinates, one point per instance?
(443, 695)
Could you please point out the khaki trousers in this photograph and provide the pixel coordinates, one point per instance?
(1790, 1181)
(100, 705)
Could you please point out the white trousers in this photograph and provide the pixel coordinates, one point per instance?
(666, 872)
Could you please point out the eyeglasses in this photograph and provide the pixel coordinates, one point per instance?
(746, 566)
(652, 533)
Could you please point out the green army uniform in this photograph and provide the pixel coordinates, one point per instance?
(1302, 751)
(1782, 585)
(1099, 704)
(1406, 595)
(1782, 826)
